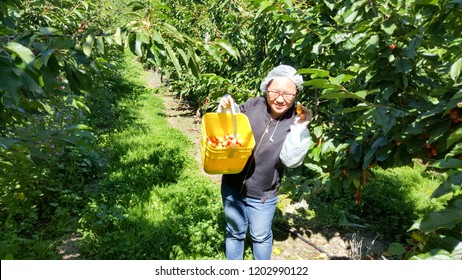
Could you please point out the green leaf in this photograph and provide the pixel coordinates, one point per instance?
(87, 48)
(213, 52)
(317, 131)
(184, 56)
(433, 254)
(315, 154)
(78, 127)
(46, 56)
(340, 95)
(415, 128)
(265, 6)
(143, 37)
(10, 81)
(6, 143)
(457, 252)
(455, 69)
(350, 16)
(173, 31)
(118, 36)
(173, 58)
(342, 78)
(389, 27)
(24, 53)
(454, 137)
(327, 146)
(137, 5)
(452, 184)
(437, 131)
(38, 153)
(383, 119)
(403, 66)
(100, 45)
(48, 30)
(322, 83)
(138, 48)
(157, 37)
(46, 107)
(314, 72)
(443, 219)
(329, 4)
(32, 83)
(396, 249)
(289, 4)
(359, 107)
(426, 2)
(194, 63)
(228, 48)
(451, 163)
(314, 167)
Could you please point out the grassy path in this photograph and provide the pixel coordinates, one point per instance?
(150, 203)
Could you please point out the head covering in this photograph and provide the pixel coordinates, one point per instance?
(282, 71)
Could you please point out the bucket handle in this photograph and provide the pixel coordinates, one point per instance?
(233, 111)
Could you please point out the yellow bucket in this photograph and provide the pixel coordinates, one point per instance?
(230, 160)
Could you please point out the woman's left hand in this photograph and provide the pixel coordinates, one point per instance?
(304, 115)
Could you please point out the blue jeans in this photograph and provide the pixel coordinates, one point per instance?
(243, 213)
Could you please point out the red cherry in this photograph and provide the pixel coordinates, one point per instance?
(392, 46)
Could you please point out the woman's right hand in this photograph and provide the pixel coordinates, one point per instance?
(225, 102)
(225, 105)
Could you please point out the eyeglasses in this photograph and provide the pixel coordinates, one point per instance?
(275, 94)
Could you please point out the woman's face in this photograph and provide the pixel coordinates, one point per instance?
(280, 95)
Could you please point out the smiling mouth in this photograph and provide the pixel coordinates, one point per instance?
(279, 106)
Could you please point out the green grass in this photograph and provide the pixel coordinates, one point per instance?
(390, 203)
(395, 198)
(151, 204)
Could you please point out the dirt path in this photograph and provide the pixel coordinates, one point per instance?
(289, 243)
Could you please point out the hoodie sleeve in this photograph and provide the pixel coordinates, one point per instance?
(295, 146)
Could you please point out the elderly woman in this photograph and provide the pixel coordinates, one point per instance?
(282, 138)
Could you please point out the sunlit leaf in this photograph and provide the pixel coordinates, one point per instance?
(451, 163)
(87, 49)
(314, 72)
(265, 6)
(77, 127)
(443, 219)
(434, 254)
(452, 184)
(48, 30)
(137, 5)
(454, 137)
(118, 36)
(173, 31)
(455, 69)
(426, 2)
(173, 58)
(314, 167)
(100, 45)
(359, 107)
(228, 47)
(24, 53)
(213, 52)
